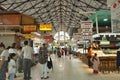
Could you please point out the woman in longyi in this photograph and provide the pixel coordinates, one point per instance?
(96, 62)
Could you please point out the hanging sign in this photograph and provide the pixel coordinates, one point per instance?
(86, 24)
(29, 28)
(29, 35)
(48, 38)
(45, 27)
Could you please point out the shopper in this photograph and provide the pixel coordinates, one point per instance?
(96, 62)
(36, 52)
(27, 56)
(43, 58)
(20, 60)
(3, 62)
(70, 52)
(12, 66)
(59, 52)
(65, 51)
(13, 48)
(90, 52)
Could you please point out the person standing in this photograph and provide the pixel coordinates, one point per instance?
(70, 52)
(36, 52)
(59, 52)
(27, 56)
(20, 60)
(3, 62)
(96, 62)
(43, 58)
(13, 49)
(90, 52)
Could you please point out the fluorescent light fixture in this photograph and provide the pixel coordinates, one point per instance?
(105, 19)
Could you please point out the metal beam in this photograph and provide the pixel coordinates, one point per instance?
(19, 5)
(11, 5)
(2, 1)
(36, 5)
(80, 13)
(75, 16)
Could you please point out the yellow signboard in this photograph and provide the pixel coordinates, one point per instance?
(45, 27)
(56, 44)
(29, 28)
(29, 35)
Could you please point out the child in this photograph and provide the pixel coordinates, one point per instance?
(12, 65)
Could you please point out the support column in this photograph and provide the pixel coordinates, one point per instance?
(97, 29)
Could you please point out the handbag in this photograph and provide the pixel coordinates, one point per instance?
(49, 63)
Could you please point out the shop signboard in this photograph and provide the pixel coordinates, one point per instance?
(115, 16)
(87, 34)
(10, 19)
(29, 35)
(86, 24)
(48, 38)
(45, 27)
(87, 30)
(29, 28)
(86, 27)
(87, 37)
(115, 10)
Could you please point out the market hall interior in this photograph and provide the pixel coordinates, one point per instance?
(85, 31)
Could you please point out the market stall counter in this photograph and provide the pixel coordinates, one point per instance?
(107, 61)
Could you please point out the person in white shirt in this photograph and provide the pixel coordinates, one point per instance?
(13, 49)
(3, 62)
(36, 52)
(12, 66)
(27, 56)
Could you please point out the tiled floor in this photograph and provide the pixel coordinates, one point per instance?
(66, 69)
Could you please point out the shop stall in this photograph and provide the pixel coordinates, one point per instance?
(11, 27)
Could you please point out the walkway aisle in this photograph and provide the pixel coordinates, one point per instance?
(66, 69)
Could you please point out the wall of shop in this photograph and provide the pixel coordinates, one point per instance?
(7, 40)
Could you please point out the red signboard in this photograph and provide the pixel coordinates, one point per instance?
(48, 38)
